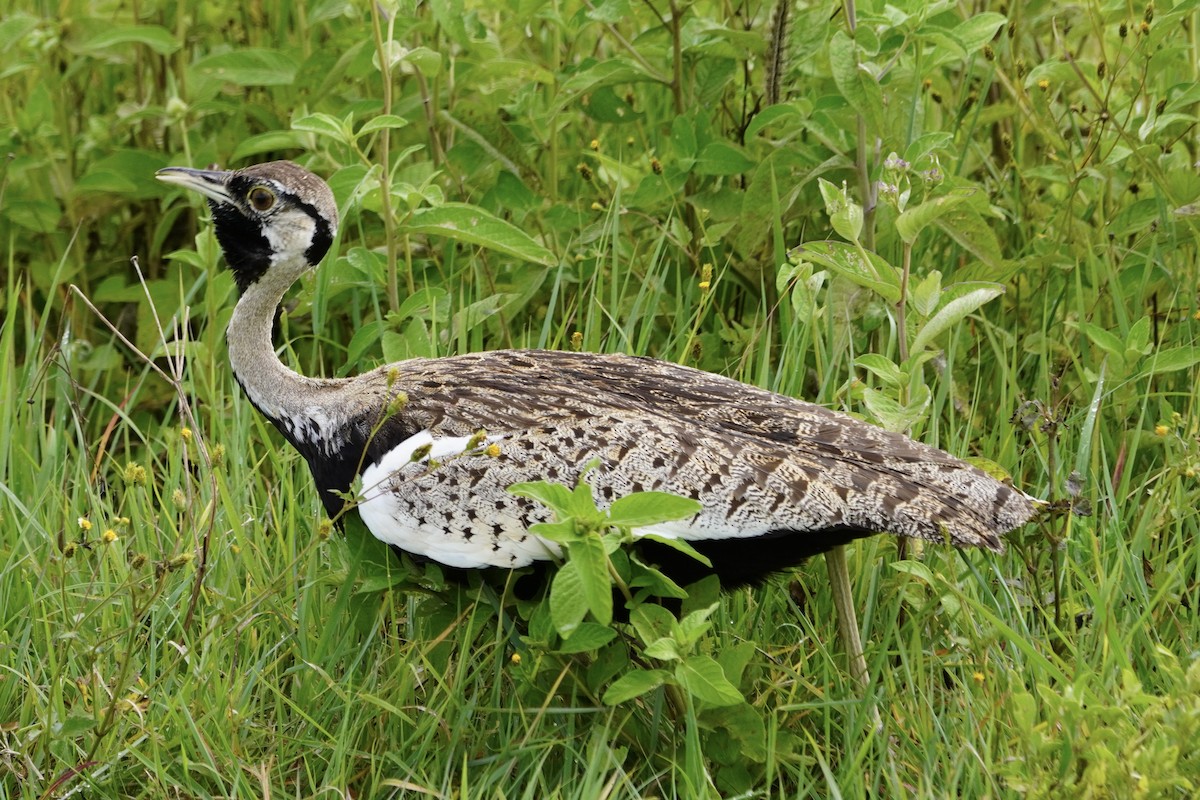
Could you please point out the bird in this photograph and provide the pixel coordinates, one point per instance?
(435, 443)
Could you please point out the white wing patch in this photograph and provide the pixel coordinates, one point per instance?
(450, 504)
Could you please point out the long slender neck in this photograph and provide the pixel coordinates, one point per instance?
(302, 408)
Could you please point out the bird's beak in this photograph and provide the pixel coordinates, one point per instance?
(212, 183)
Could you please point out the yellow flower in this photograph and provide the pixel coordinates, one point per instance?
(978, 676)
(493, 450)
(1044, 84)
(109, 536)
(85, 524)
(186, 433)
(515, 658)
(595, 145)
(1161, 430)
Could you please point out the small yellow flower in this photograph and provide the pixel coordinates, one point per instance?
(186, 433)
(109, 536)
(493, 450)
(1161, 430)
(233, 548)
(134, 475)
(1196, 316)
(577, 340)
(595, 145)
(597, 207)
(515, 658)
(1044, 84)
(978, 676)
(324, 529)
(85, 524)
(704, 286)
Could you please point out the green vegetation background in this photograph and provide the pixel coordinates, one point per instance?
(176, 619)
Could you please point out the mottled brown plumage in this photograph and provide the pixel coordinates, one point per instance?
(779, 479)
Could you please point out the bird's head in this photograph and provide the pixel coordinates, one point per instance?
(267, 216)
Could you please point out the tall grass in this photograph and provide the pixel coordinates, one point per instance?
(298, 663)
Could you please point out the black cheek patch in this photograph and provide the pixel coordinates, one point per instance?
(322, 235)
(246, 249)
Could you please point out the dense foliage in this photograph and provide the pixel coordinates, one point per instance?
(975, 223)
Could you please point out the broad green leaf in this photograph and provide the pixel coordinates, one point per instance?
(590, 560)
(472, 225)
(696, 624)
(914, 220)
(794, 111)
(609, 72)
(677, 544)
(563, 531)
(704, 679)
(1137, 341)
(652, 622)
(847, 261)
(249, 67)
(156, 37)
(587, 637)
(859, 88)
(883, 368)
(269, 142)
(891, 414)
(744, 724)
(553, 496)
(978, 29)
(952, 313)
(1106, 340)
(1171, 359)
(568, 599)
(382, 122)
(722, 158)
(325, 125)
(648, 508)
(634, 684)
(964, 225)
(926, 294)
(664, 649)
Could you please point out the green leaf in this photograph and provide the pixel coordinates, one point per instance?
(1106, 340)
(914, 220)
(664, 649)
(722, 158)
(590, 560)
(964, 225)
(856, 85)
(563, 531)
(587, 637)
(648, 508)
(952, 313)
(652, 622)
(891, 414)
(978, 29)
(847, 261)
(705, 680)
(156, 37)
(382, 122)
(634, 684)
(325, 125)
(250, 67)
(471, 224)
(883, 368)
(553, 496)
(1171, 359)
(1137, 341)
(677, 544)
(568, 599)
(926, 295)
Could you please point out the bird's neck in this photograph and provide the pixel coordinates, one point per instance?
(300, 407)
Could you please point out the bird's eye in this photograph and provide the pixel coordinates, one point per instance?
(261, 198)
